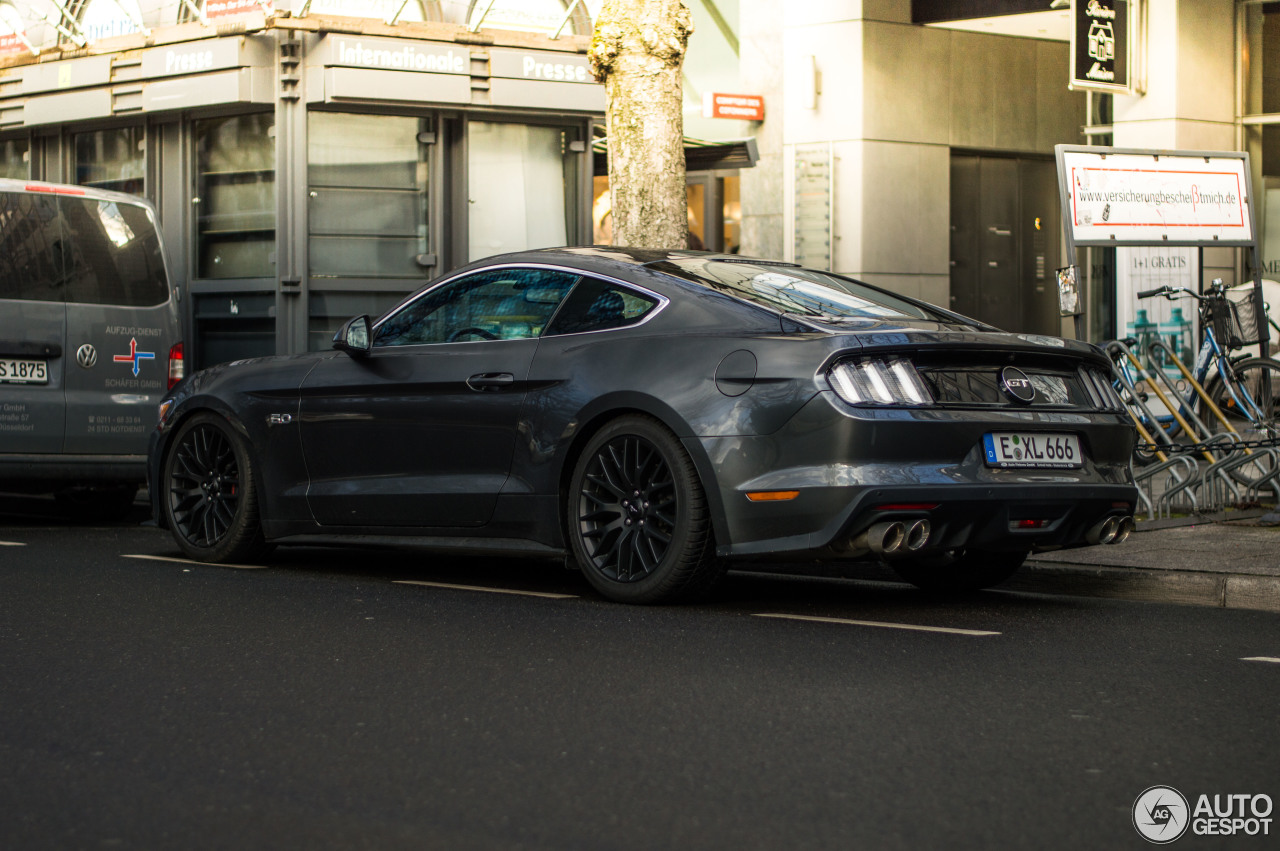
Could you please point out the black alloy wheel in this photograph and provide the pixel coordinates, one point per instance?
(638, 518)
(210, 500)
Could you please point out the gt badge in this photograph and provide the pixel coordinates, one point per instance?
(1016, 385)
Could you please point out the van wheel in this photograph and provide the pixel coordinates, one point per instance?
(97, 503)
(210, 498)
(960, 570)
(639, 526)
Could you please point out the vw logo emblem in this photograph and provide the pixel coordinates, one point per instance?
(86, 356)
(1016, 385)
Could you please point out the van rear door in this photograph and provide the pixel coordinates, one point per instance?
(32, 325)
(118, 305)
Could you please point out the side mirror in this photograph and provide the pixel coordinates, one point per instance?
(353, 337)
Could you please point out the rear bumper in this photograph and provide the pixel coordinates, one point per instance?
(847, 467)
(1009, 517)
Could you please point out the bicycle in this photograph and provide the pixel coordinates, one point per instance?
(1245, 388)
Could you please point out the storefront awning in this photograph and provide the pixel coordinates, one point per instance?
(699, 154)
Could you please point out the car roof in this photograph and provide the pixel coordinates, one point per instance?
(44, 188)
(600, 256)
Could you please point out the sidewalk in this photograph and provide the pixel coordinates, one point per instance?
(1229, 560)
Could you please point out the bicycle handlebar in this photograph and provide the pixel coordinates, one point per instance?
(1170, 293)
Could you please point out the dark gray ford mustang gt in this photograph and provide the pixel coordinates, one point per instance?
(653, 415)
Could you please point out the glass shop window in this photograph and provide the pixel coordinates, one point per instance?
(368, 182)
(235, 206)
(15, 158)
(112, 159)
(518, 179)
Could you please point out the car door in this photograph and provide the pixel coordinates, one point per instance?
(421, 430)
(32, 325)
(121, 325)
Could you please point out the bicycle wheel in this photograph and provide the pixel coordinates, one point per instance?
(1257, 386)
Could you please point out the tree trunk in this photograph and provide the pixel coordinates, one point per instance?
(637, 50)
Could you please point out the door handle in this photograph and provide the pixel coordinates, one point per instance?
(491, 381)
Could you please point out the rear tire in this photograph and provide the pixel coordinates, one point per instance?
(638, 523)
(209, 495)
(961, 570)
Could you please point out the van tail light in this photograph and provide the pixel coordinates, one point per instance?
(177, 368)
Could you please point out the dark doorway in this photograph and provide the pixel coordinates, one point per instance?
(1005, 241)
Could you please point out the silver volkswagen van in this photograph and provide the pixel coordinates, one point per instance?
(89, 342)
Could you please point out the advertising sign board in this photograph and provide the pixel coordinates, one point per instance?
(1132, 198)
(1102, 39)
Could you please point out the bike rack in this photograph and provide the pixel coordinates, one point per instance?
(1255, 468)
(1202, 478)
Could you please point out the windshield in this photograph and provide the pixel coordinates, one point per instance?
(792, 289)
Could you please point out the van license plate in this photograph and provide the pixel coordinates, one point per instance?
(23, 371)
(1015, 449)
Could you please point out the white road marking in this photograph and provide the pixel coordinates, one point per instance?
(915, 627)
(197, 563)
(545, 594)
(1271, 659)
(12, 544)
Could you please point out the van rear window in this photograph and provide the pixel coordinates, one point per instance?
(112, 254)
(79, 249)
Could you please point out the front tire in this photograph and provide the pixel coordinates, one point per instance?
(638, 521)
(1260, 379)
(960, 571)
(210, 493)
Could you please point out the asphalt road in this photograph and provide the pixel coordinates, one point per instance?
(330, 701)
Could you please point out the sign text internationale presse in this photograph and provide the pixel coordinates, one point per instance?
(440, 59)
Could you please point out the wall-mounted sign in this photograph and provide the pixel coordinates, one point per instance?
(540, 65)
(10, 43)
(811, 243)
(102, 19)
(227, 8)
(741, 107)
(1102, 41)
(398, 55)
(1140, 198)
(197, 57)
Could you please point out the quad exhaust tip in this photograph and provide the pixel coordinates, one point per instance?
(894, 537)
(1124, 530)
(917, 535)
(882, 538)
(1111, 530)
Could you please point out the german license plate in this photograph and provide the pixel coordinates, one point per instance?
(14, 371)
(1037, 449)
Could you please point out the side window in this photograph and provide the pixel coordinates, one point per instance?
(30, 247)
(598, 306)
(112, 254)
(502, 304)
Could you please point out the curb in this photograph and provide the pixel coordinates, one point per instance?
(1188, 588)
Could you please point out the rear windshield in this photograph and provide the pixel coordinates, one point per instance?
(795, 290)
(87, 250)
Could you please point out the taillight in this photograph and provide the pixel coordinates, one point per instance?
(177, 369)
(876, 381)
